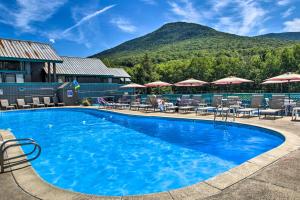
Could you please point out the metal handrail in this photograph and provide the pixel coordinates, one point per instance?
(12, 160)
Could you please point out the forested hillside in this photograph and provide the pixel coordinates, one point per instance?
(180, 50)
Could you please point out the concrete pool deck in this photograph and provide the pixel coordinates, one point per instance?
(272, 175)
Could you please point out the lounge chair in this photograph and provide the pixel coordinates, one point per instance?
(216, 103)
(21, 104)
(47, 102)
(5, 105)
(148, 104)
(185, 104)
(102, 102)
(56, 102)
(124, 102)
(232, 103)
(36, 102)
(296, 111)
(255, 105)
(276, 107)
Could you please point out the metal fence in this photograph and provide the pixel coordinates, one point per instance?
(13, 91)
(245, 97)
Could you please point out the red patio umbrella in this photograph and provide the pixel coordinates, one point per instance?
(190, 83)
(158, 84)
(286, 78)
(231, 80)
(133, 86)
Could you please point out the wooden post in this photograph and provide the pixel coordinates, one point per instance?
(49, 72)
(54, 73)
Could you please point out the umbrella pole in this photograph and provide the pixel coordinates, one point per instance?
(289, 91)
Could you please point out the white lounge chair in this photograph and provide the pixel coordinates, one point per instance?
(255, 105)
(6, 105)
(47, 102)
(21, 104)
(36, 102)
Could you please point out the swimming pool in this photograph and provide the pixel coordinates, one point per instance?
(105, 153)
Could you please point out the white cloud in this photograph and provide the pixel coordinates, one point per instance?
(283, 2)
(288, 12)
(292, 26)
(124, 24)
(28, 12)
(219, 4)
(87, 18)
(52, 40)
(185, 10)
(247, 16)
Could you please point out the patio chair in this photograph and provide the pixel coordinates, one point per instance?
(296, 111)
(56, 102)
(47, 102)
(216, 103)
(255, 105)
(5, 105)
(185, 106)
(36, 102)
(21, 104)
(148, 104)
(124, 102)
(105, 104)
(276, 107)
(232, 103)
(170, 107)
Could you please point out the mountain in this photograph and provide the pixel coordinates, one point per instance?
(283, 36)
(181, 40)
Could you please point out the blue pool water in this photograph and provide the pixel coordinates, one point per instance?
(104, 153)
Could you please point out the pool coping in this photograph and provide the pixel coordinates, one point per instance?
(30, 182)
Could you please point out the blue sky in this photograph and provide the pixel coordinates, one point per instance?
(85, 27)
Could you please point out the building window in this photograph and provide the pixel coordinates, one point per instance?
(10, 78)
(19, 78)
(10, 65)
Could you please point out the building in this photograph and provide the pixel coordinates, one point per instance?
(24, 61)
(27, 61)
(87, 70)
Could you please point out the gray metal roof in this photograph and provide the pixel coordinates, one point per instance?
(86, 67)
(119, 73)
(27, 50)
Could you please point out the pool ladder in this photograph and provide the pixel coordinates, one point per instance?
(18, 159)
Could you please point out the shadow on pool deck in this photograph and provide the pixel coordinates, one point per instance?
(280, 180)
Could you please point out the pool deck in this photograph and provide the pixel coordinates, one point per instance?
(271, 175)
